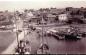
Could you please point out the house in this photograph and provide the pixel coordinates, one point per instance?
(63, 17)
(68, 8)
(35, 19)
(83, 12)
(29, 15)
(56, 11)
(50, 18)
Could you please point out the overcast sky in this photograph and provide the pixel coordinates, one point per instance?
(36, 4)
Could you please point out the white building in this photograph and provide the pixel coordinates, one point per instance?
(29, 15)
(63, 17)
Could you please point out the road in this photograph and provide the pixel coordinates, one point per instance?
(6, 39)
(10, 49)
(57, 46)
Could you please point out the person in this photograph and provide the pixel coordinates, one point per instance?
(39, 51)
(27, 47)
(38, 34)
(26, 51)
(21, 46)
(44, 49)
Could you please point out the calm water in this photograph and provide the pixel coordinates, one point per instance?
(59, 46)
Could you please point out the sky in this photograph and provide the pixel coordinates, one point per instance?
(36, 4)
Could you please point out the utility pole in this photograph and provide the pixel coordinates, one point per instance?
(16, 26)
(24, 29)
(42, 30)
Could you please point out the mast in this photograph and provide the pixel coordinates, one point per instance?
(42, 33)
(43, 29)
(16, 26)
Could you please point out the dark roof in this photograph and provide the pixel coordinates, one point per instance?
(50, 15)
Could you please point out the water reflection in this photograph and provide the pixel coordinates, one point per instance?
(68, 46)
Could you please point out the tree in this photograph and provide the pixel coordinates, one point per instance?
(2, 17)
(56, 19)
